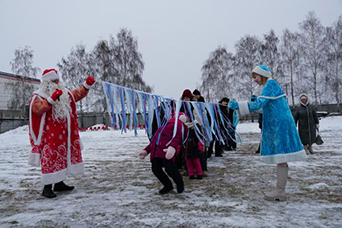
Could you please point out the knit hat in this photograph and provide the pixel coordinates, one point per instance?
(225, 99)
(262, 71)
(196, 92)
(187, 93)
(49, 75)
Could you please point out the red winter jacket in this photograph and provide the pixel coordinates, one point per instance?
(166, 133)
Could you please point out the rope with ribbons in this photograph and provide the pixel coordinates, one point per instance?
(124, 104)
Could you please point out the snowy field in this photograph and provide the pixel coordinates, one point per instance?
(119, 190)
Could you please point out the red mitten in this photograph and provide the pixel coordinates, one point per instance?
(143, 154)
(170, 152)
(55, 96)
(90, 80)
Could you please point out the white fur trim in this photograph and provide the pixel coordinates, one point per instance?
(81, 144)
(52, 178)
(86, 85)
(34, 159)
(262, 72)
(69, 139)
(282, 158)
(50, 76)
(55, 177)
(273, 98)
(76, 168)
(303, 95)
(36, 138)
(49, 99)
(41, 93)
(72, 95)
(243, 108)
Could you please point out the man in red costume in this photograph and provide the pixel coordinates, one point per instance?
(53, 130)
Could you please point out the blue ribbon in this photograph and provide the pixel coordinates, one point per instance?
(121, 99)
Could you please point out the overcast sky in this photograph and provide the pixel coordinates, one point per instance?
(175, 37)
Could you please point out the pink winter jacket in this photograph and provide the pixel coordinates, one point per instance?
(166, 133)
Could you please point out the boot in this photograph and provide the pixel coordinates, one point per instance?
(61, 187)
(165, 190)
(306, 149)
(47, 191)
(180, 187)
(279, 193)
(310, 149)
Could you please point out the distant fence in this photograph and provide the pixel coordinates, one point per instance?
(11, 119)
(89, 119)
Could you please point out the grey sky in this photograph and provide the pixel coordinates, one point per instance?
(175, 37)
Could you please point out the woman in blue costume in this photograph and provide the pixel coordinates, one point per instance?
(280, 142)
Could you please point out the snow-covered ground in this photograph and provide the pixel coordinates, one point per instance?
(119, 190)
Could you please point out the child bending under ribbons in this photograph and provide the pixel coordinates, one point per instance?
(162, 150)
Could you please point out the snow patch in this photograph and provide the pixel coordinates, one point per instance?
(319, 186)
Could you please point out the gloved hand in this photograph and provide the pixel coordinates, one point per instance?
(253, 98)
(170, 152)
(182, 118)
(56, 94)
(233, 105)
(89, 82)
(189, 124)
(317, 126)
(143, 154)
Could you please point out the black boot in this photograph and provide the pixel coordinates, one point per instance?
(61, 187)
(180, 187)
(165, 190)
(47, 191)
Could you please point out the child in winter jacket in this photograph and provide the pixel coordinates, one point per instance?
(162, 150)
(193, 150)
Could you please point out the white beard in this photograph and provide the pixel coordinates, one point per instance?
(61, 107)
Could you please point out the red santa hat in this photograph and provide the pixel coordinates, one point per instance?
(49, 75)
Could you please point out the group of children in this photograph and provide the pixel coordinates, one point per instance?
(280, 142)
(183, 150)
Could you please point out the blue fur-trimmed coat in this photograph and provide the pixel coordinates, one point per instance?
(280, 139)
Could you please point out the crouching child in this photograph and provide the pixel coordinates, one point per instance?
(162, 150)
(193, 150)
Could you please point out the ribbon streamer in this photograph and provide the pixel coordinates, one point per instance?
(124, 104)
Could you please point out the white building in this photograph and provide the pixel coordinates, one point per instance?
(5, 94)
